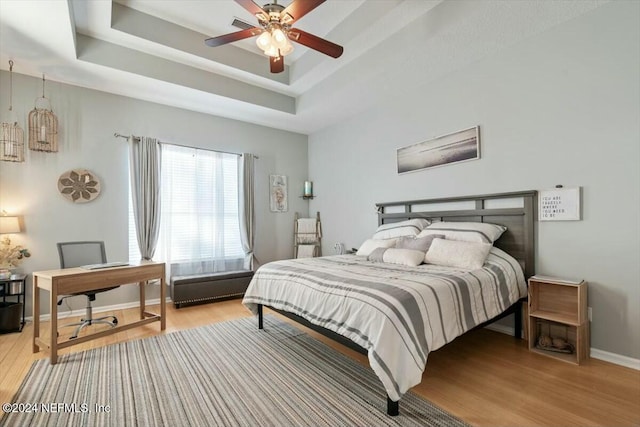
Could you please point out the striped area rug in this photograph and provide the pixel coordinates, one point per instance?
(224, 374)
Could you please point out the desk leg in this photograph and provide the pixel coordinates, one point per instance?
(142, 299)
(53, 304)
(163, 304)
(36, 314)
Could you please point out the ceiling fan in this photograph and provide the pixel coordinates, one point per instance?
(275, 31)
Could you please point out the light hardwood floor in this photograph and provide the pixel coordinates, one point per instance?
(483, 377)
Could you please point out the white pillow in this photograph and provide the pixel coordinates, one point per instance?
(409, 257)
(410, 227)
(466, 231)
(455, 253)
(369, 245)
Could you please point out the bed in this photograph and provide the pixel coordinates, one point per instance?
(397, 314)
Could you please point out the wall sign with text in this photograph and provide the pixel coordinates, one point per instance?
(559, 204)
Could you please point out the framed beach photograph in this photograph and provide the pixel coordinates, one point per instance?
(278, 193)
(448, 149)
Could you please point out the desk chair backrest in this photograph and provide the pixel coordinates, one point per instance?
(75, 254)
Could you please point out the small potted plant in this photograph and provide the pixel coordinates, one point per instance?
(10, 256)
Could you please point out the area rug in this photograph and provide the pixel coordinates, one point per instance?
(224, 374)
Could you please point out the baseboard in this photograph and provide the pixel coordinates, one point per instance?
(102, 309)
(617, 359)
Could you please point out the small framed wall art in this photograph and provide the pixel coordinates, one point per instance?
(559, 204)
(278, 193)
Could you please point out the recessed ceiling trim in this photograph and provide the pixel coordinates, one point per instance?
(388, 55)
(110, 55)
(183, 39)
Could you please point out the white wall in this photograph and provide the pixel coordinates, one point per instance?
(87, 122)
(560, 108)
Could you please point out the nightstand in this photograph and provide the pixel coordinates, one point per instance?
(558, 309)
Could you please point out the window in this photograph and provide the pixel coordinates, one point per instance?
(199, 221)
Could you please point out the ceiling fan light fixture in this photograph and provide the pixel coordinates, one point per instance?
(287, 49)
(279, 38)
(274, 42)
(264, 42)
(272, 51)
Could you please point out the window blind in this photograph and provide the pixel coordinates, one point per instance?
(199, 222)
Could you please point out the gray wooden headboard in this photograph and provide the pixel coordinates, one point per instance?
(516, 211)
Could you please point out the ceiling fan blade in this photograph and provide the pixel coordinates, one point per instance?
(316, 43)
(276, 64)
(298, 9)
(232, 37)
(253, 8)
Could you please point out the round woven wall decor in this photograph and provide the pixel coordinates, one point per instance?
(79, 185)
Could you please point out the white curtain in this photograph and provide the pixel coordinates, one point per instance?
(144, 163)
(200, 230)
(247, 212)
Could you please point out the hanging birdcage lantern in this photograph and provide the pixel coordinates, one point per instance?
(11, 135)
(43, 126)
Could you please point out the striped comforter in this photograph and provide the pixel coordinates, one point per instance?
(398, 313)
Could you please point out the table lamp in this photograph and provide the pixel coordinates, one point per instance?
(9, 224)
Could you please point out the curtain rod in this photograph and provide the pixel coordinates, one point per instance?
(117, 135)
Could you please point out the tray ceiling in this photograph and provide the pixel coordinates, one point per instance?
(155, 51)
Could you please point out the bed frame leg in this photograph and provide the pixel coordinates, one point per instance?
(393, 408)
(517, 323)
(260, 325)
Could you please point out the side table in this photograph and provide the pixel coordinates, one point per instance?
(14, 287)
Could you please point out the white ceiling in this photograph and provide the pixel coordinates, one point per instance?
(154, 50)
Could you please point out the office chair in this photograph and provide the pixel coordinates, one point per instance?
(76, 254)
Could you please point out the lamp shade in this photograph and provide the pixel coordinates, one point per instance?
(9, 224)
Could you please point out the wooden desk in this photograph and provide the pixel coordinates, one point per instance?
(73, 280)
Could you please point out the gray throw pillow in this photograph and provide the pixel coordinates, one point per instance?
(377, 254)
(418, 244)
